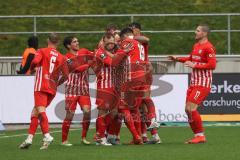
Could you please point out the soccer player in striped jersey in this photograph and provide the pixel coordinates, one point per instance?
(132, 90)
(202, 60)
(108, 56)
(46, 61)
(76, 91)
(147, 106)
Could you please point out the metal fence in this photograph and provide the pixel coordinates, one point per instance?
(161, 65)
(35, 18)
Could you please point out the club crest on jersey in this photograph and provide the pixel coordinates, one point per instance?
(103, 56)
(69, 61)
(200, 51)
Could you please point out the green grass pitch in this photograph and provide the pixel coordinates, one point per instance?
(223, 144)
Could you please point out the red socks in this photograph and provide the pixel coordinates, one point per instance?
(43, 122)
(195, 122)
(151, 108)
(65, 129)
(33, 125)
(101, 126)
(137, 120)
(129, 122)
(143, 127)
(118, 125)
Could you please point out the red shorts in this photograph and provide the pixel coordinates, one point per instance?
(134, 96)
(107, 98)
(197, 94)
(42, 98)
(83, 101)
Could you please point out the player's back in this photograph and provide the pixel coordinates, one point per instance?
(48, 60)
(136, 61)
(135, 53)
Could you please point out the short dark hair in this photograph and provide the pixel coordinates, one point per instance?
(107, 36)
(135, 25)
(33, 42)
(54, 38)
(125, 31)
(111, 27)
(67, 41)
(205, 28)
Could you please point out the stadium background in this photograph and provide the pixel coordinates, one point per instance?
(170, 41)
(222, 140)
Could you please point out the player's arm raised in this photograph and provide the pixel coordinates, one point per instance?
(142, 39)
(115, 59)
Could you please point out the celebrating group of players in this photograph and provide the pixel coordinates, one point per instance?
(123, 78)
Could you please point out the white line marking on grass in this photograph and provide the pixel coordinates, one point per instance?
(20, 135)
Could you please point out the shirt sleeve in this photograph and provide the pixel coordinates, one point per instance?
(184, 59)
(37, 59)
(65, 72)
(116, 58)
(112, 60)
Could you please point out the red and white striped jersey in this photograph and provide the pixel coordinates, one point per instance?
(78, 81)
(104, 72)
(204, 57)
(135, 63)
(46, 61)
(144, 52)
(77, 84)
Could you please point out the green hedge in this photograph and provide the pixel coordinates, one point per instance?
(161, 43)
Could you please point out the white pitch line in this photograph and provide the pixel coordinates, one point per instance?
(20, 135)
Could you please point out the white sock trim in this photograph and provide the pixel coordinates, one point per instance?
(199, 134)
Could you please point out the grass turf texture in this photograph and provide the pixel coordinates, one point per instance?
(223, 143)
(161, 43)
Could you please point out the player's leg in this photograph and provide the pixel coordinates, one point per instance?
(143, 112)
(136, 118)
(31, 131)
(195, 96)
(106, 101)
(70, 107)
(42, 116)
(128, 120)
(151, 122)
(113, 123)
(101, 127)
(129, 101)
(41, 101)
(84, 102)
(151, 114)
(47, 140)
(117, 126)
